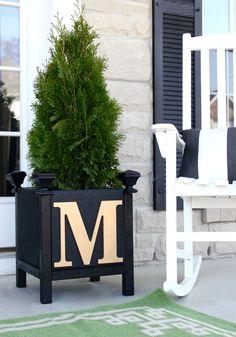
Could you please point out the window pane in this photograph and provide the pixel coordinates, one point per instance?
(9, 154)
(9, 101)
(232, 16)
(213, 88)
(9, 36)
(216, 17)
(229, 88)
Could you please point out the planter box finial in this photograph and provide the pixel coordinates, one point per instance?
(129, 178)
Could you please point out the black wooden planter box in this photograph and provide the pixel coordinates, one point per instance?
(73, 234)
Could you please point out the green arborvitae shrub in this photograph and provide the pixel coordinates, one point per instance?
(74, 134)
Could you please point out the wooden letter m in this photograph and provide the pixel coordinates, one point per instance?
(107, 210)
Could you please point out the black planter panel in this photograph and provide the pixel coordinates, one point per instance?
(27, 229)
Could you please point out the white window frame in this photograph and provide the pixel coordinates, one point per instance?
(4, 199)
(32, 13)
(35, 23)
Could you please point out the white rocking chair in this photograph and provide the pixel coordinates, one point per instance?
(207, 178)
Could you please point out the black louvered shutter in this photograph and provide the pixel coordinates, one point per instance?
(172, 18)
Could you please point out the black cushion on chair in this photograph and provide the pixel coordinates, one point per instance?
(219, 157)
(231, 151)
(189, 164)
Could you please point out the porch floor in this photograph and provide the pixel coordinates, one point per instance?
(214, 293)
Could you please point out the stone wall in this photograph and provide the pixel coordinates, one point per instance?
(125, 30)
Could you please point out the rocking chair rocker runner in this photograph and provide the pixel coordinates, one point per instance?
(207, 177)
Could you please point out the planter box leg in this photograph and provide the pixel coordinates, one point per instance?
(128, 276)
(128, 283)
(94, 278)
(45, 248)
(20, 278)
(45, 291)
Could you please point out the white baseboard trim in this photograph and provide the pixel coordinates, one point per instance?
(7, 264)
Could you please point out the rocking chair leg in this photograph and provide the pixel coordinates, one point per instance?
(188, 246)
(171, 252)
(171, 218)
(191, 264)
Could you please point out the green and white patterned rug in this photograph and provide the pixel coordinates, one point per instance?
(153, 315)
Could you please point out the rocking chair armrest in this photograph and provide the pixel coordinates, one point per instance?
(160, 131)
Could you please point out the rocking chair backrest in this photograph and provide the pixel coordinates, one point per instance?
(224, 45)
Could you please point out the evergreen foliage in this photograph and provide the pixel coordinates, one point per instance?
(74, 133)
